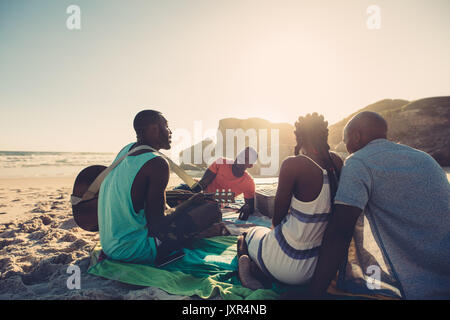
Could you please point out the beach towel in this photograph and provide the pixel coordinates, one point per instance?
(208, 269)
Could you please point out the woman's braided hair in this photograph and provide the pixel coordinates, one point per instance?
(312, 131)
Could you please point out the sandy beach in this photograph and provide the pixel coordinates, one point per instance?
(39, 240)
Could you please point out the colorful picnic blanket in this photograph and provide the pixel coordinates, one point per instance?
(208, 269)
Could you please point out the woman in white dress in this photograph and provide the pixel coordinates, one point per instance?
(307, 183)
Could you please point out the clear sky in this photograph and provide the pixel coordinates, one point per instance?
(78, 90)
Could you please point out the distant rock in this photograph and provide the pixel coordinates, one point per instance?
(336, 130)
(422, 124)
(187, 156)
(264, 130)
(255, 132)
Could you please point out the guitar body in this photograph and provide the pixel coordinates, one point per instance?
(85, 213)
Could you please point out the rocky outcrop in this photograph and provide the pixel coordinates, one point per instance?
(336, 130)
(233, 135)
(422, 124)
(269, 136)
(188, 161)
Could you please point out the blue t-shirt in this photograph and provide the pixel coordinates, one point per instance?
(124, 232)
(405, 196)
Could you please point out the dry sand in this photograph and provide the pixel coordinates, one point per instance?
(39, 240)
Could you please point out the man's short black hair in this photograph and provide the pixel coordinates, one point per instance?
(144, 118)
(372, 123)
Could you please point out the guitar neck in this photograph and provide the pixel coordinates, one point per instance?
(221, 197)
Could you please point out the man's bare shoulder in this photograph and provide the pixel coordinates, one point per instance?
(156, 165)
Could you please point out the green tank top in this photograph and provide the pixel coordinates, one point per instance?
(123, 232)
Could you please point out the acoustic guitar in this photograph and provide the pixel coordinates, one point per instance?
(85, 212)
(222, 197)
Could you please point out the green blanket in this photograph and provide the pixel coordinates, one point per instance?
(208, 269)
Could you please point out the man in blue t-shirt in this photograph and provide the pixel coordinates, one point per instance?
(405, 196)
(133, 221)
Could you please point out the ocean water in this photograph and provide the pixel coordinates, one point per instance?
(24, 164)
(28, 164)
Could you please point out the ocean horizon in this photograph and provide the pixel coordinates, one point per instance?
(53, 164)
(26, 164)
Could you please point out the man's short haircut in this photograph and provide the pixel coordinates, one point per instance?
(372, 123)
(144, 118)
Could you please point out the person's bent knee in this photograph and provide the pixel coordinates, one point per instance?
(206, 215)
(242, 248)
(212, 212)
(215, 211)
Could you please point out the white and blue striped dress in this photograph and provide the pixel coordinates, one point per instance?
(289, 252)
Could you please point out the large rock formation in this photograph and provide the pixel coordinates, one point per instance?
(336, 130)
(269, 137)
(422, 124)
(188, 161)
(233, 135)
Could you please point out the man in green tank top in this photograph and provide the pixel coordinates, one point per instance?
(133, 223)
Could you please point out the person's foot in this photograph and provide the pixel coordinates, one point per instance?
(241, 246)
(217, 229)
(244, 269)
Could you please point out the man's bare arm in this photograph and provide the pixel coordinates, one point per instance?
(334, 247)
(251, 204)
(207, 178)
(155, 202)
(247, 209)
